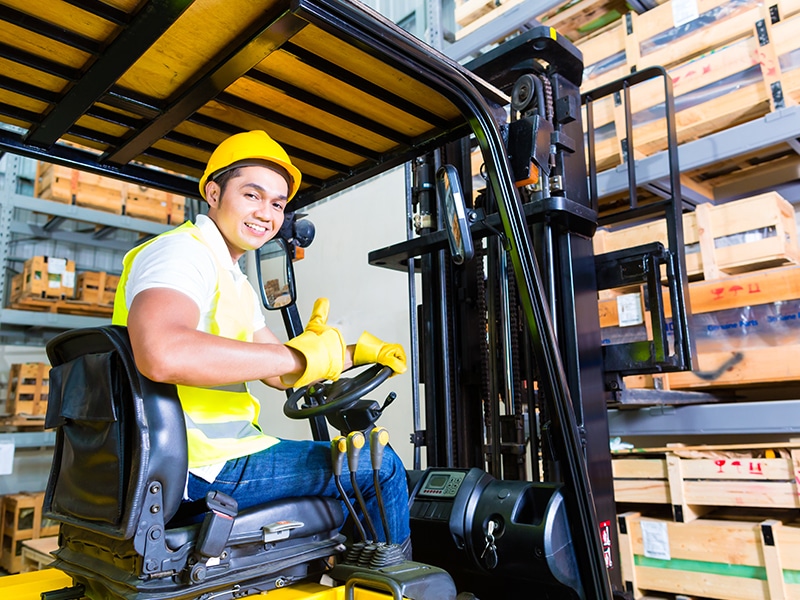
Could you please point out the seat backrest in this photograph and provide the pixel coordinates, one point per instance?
(118, 434)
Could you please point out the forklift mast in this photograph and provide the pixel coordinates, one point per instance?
(510, 341)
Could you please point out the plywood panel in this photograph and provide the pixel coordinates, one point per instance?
(291, 69)
(362, 64)
(43, 47)
(250, 90)
(173, 60)
(69, 17)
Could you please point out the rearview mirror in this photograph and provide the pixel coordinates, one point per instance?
(451, 200)
(275, 274)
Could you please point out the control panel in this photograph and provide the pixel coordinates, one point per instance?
(441, 484)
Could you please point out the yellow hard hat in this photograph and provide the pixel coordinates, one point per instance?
(250, 146)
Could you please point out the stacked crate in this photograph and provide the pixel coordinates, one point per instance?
(750, 550)
(731, 62)
(50, 285)
(744, 261)
(20, 520)
(28, 387)
(71, 186)
(96, 287)
(44, 277)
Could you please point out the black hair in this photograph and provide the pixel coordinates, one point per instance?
(222, 179)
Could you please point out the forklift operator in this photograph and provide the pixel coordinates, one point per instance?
(194, 320)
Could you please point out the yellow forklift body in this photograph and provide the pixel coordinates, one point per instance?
(30, 585)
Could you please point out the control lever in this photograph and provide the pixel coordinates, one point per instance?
(338, 451)
(356, 441)
(378, 439)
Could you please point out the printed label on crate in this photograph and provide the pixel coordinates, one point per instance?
(6, 457)
(655, 539)
(684, 11)
(629, 309)
(68, 279)
(56, 266)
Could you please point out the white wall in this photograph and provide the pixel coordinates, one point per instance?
(362, 297)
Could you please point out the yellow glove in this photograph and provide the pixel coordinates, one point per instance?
(370, 349)
(318, 322)
(324, 353)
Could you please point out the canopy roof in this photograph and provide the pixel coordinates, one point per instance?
(144, 90)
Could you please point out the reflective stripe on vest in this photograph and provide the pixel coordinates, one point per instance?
(222, 423)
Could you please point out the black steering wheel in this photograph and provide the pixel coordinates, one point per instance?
(325, 398)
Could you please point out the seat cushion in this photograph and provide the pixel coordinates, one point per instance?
(318, 516)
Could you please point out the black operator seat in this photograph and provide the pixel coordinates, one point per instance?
(117, 483)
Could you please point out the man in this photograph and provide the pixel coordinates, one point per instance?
(194, 321)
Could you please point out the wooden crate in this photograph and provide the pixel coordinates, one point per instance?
(21, 520)
(755, 233)
(721, 75)
(36, 555)
(28, 386)
(747, 289)
(71, 186)
(752, 558)
(44, 277)
(96, 287)
(754, 350)
(154, 205)
(695, 480)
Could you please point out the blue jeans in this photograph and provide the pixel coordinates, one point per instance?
(303, 468)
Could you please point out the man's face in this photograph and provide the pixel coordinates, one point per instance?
(249, 212)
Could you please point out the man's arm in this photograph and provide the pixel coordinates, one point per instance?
(265, 336)
(162, 324)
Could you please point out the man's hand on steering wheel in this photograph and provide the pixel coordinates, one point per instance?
(325, 398)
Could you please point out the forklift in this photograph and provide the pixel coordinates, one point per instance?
(516, 499)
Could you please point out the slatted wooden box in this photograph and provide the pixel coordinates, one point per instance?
(44, 277)
(743, 558)
(96, 287)
(721, 74)
(754, 233)
(28, 387)
(71, 186)
(154, 205)
(21, 520)
(693, 482)
(36, 554)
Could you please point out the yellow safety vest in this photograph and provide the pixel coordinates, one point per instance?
(221, 423)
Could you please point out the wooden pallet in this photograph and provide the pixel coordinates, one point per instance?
(695, 480)
(744, 558)
(67, 307)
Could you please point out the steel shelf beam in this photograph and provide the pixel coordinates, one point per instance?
(87, 215)
(30, 439)
(500, 27)
(735, 418)
(26, 318)
(782, 126)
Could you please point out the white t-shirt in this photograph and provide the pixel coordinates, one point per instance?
(184, 264)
